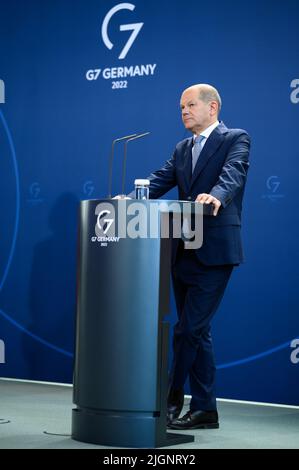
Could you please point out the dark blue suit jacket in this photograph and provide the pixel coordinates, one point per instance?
(221, 170)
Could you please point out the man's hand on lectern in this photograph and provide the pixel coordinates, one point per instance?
(209, 199)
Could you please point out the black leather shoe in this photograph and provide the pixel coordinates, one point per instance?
(175, 403)
(196, 420)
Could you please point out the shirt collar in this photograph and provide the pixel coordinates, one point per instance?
(206, 133)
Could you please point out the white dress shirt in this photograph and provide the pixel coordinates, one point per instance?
(206, 133)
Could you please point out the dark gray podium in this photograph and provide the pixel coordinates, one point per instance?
(120, 376)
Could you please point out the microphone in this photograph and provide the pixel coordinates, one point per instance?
(138, 136)
(111, 160)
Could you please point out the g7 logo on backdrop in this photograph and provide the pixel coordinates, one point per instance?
(134, 27)
(295, 93)
(120, 75)
(273, 184)
(34, 192)
(88, 188)
(2, 92)
(295, 353)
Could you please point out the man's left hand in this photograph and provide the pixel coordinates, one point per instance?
(209, 199)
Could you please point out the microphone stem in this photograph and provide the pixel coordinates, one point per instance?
(110, 171)
(124, 169)
(125, 159)
(111, 161)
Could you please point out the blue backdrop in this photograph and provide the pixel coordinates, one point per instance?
(72, 79)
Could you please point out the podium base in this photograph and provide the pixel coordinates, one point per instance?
(173, 439)
(124, 429)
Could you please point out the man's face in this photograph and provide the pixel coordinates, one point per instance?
(196, 114)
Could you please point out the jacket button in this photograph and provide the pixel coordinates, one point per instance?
(189, 198)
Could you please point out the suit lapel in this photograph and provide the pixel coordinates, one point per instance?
(211, 146)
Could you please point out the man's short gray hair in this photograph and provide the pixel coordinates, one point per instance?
(208, 93)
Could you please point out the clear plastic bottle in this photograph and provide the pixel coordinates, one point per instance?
(142, 189)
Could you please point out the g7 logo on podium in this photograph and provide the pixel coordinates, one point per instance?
(134, 27)
(99, 229)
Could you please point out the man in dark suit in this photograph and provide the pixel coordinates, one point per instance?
(210, 168)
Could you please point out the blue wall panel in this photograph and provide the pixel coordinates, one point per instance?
(56, 128)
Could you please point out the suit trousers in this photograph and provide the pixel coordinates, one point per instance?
(198, 291)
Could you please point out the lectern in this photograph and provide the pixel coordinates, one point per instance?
(120, 375)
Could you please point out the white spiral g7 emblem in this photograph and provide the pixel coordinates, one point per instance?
(100, 229)
(134, 27)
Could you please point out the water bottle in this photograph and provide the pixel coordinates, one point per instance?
(142, 189)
